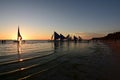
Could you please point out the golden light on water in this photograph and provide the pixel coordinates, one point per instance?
(22, 69)
(19, 51)
(20, 60)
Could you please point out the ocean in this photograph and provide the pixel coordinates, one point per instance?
(43, 60)
(33, 48)
(9, 50)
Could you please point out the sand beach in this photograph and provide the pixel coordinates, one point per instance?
(67, 61)
(59, 39)
(114, 45)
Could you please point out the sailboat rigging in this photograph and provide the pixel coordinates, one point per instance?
(19, 37)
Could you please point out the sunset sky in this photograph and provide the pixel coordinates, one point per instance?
(38, 19)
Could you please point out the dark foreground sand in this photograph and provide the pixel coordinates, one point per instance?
(114, 45)
(79, 61)
(99, 64)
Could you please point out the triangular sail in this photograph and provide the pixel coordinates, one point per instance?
(68, 36)
(62, 37)
(75, 38)
(79, 38)
(52, 37)
(56, 36)
(19, 37)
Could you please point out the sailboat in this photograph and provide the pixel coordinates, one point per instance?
(55, 36)
(79, 38)
(19, 37)
(75, 38)
(68, 38)
(62, 37)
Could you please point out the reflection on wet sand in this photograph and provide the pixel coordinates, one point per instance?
(58, 45)
(19, 51)
(71, 61)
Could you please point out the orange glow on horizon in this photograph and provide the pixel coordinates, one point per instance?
(25, 37)
(29, 34)
(38, 37)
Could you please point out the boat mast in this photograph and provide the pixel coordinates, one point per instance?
(19, 37)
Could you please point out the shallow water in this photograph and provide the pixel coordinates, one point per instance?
(66, 61)
(9, 51)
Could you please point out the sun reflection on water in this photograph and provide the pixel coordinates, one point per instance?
(19, 51)
(22, 69)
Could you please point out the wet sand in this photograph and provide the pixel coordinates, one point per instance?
(78, 61)
(114, 45)
(100, 64)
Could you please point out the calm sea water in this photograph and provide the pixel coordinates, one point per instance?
(9, 50)
(93, 59)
